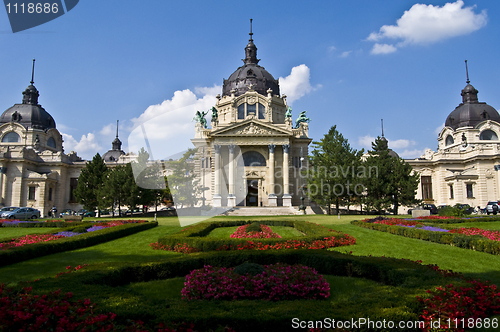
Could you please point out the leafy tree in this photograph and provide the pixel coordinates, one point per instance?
(120, 187)
(90, 182)
(390, 181)
(332, 174)
(184, 185)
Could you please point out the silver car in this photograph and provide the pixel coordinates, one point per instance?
(492, 207)
(22, 214)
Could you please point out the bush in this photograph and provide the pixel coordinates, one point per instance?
(249, 268)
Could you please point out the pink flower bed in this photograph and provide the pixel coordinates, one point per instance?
(491, 235)
(265, 233)
(277, 282)
(396, 222)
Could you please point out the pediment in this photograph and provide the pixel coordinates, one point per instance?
(251, 128)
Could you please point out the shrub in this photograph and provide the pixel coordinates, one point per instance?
(249, 268)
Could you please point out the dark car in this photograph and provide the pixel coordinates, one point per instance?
(85, 213)
(430, 207)
(465, 207)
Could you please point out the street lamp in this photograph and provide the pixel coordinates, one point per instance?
(203, 172)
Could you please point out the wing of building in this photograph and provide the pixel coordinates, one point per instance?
(34, 170)
(253, 154)
(463, 170)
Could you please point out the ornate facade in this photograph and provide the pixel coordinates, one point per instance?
(34, 170)
(253, 154)
(464, 169)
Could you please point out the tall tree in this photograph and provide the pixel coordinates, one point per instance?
(391, 181)
(120, 188)
(184, 184)
(90, 182)
(332, 171)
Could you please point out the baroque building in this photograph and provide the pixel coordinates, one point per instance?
(34, 170)
(253, 153)
(464, 168)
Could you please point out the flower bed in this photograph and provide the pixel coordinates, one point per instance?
(265, 233)
(470, 231)
(277, 282)
(29, 239)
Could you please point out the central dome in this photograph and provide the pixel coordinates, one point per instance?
(471, 112)
(250, 75)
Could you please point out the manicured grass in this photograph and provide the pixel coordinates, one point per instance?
(7, 232)
(492, 225)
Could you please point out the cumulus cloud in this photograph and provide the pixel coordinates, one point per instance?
(297, 84)
(427, 24)
(331, 48)
(86, 145)
(366, 141)
(166, 129)
(400, 143)
(411, 154)
(383, 49)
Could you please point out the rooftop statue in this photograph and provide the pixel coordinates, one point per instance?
(288, 114)
(200, 118)
(302, 118)
(215, 116)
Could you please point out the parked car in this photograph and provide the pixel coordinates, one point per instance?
(430, 207)
(67, 212)
(85, 213)
(22, 214)
(492, 207)
(7, 209)
(466, 208)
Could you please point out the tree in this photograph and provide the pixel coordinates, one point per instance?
(120, 188)
(90, 182)
(184, 184)
(333, 170)
(392, 182)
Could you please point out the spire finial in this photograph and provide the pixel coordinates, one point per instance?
(467, 72)
(117, 128)
(382, 121)
(33, 73)
(251, 33)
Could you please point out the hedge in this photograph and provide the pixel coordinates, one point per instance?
(30, 251)
(476, 242)
(395, 299)
(195, 236)
(458, 220)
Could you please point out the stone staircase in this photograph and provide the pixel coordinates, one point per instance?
(263, 211)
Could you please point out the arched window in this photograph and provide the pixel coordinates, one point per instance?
(262, 111)
(488, 135)
(449, 140)
(257, 110)
(11, 137)
(253, 158)
(51, 143)
(241, 111)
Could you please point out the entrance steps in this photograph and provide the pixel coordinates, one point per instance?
(263, 211)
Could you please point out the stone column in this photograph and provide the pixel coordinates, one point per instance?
(272, 197)
(287, 198)
(231, 198)
(217, 199)
(3, 178)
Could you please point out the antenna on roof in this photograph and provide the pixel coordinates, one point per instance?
(117, 128)
(467, 72)
(251, 33)
(33, 72)
(382, 121)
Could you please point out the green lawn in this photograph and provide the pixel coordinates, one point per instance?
(283, 231)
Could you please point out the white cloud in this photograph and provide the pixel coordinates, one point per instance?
(345, 54)
(366, 141)
(438, 129)
(87, 144)
(427, 24)
(400, 143)
(108, 130)
(383, 49)
(168, 127)
(331, 48)
(411, 154)
(297, 84)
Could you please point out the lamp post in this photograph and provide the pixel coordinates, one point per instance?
(203, 172)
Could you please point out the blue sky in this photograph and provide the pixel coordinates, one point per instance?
(348, 63)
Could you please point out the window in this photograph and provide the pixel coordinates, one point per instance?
(73, 182)
(251, 109)
(488, 135)
(449, 140)
(451, 192)
(470, 193)
(31, 193)
(51, 143)
(262, 111)
(426, 187)
(253, 158)
(241, 111)
(11, 137)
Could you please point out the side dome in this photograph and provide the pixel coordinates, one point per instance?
(250, 74)
(29, 113)
(471, 112)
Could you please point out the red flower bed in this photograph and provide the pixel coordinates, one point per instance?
(265, 233)
(491, 235)
(397, 222)
(29, 239)
(277, 282)
(327, 242)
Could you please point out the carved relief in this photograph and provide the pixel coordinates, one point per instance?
(251, 100)
(254, 130)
